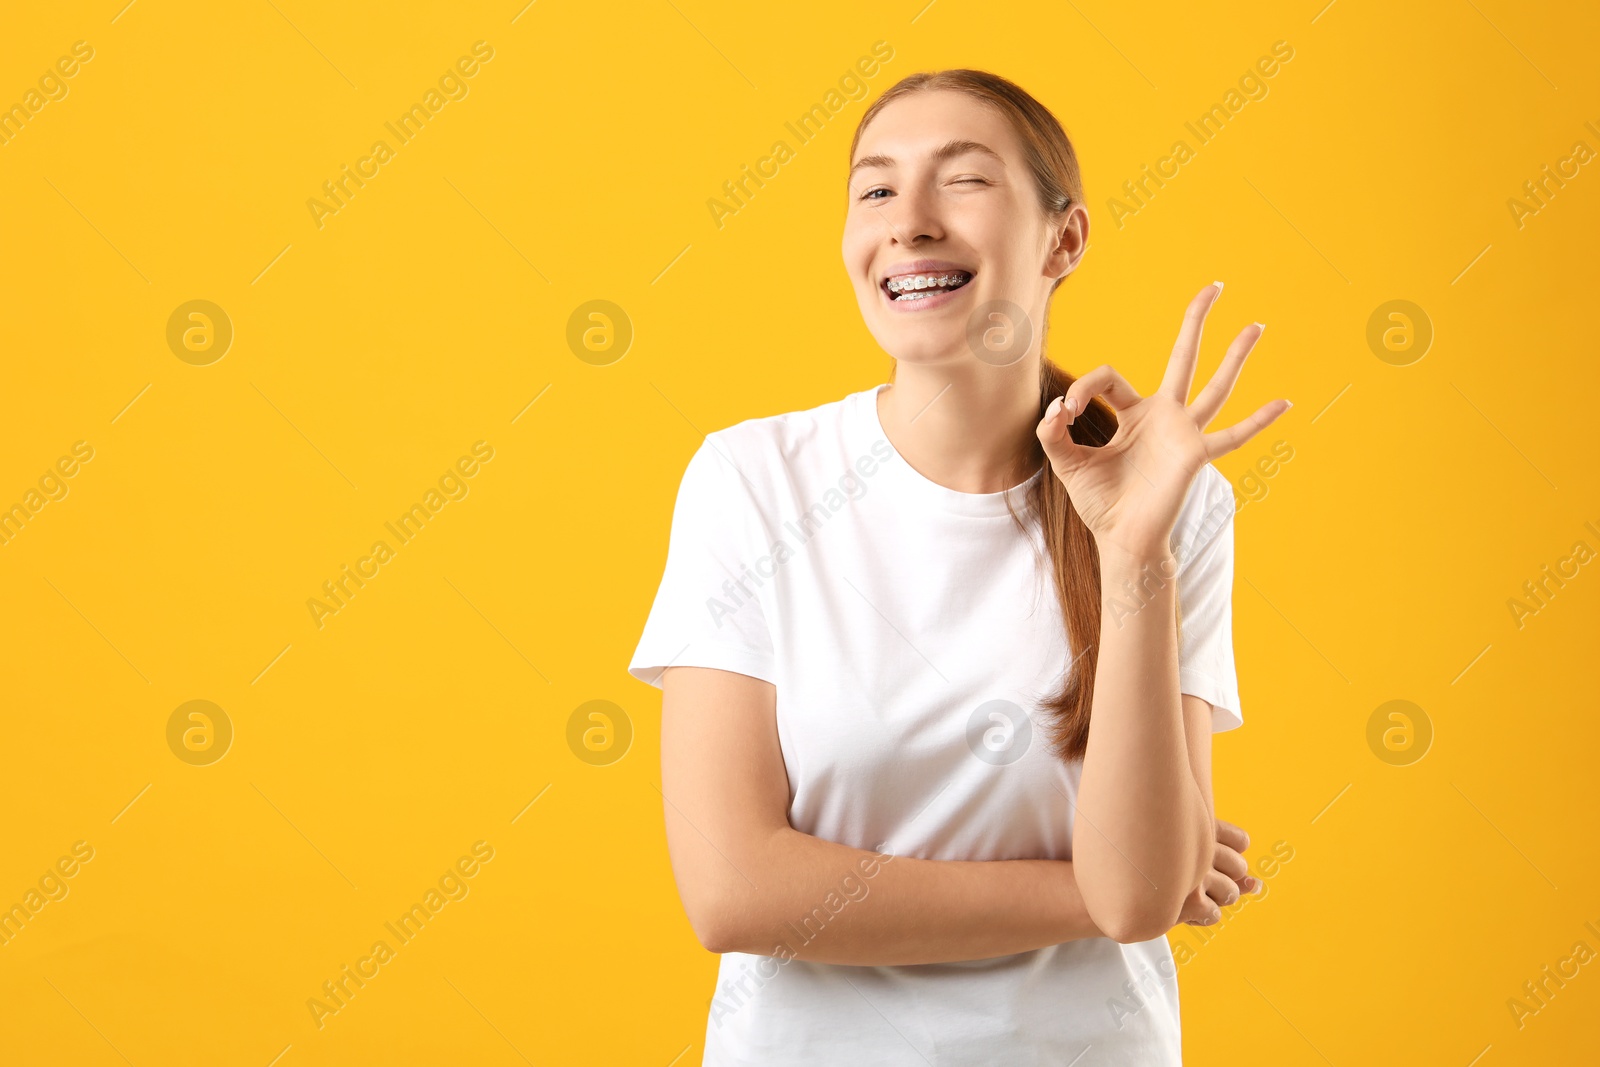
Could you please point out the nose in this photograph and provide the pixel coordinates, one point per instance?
(913, 216)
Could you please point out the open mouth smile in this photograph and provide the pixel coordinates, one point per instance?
(919, 291)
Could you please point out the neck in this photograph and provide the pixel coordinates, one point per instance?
(966, 428)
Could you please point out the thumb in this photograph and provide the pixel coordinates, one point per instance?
(1055, 434)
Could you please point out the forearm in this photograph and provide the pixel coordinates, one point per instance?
(825, 902)
(1143, 837)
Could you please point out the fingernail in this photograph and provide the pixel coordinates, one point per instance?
(1218, 285)
(1287, 404)
(1072, 406)
(1054, 408)
(1262, 325)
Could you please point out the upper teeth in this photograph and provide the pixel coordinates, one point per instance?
(909, 282)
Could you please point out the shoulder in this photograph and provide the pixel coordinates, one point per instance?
(785, 434)
(770, 450)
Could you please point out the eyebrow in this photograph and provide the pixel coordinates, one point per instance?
(948, 150)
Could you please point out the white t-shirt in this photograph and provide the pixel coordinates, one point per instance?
(911, 631)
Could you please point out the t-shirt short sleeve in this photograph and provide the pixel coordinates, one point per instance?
(1203, 550)
(708, 610)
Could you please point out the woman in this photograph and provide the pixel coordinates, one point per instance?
(931, 808)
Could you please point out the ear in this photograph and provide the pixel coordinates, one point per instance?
(1071, 240)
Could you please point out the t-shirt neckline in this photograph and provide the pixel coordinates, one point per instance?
(868, 427)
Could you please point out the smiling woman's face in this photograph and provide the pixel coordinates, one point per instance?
(940, 190)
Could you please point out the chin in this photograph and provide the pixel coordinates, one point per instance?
(927, 339)
(931, 347)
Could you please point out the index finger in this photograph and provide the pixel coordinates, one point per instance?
(1186, 351)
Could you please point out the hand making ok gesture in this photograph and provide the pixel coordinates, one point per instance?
(1128, 491)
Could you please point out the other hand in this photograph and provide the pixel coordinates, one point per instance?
(1228, 878)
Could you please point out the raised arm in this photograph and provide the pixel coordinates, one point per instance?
(1145, 833)
(751, 883)
(1144, 836)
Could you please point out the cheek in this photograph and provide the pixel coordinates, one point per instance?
(856, 242)
(995, 229)
(856, 252)
(1009, 267)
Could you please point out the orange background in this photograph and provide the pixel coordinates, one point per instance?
(431, 312)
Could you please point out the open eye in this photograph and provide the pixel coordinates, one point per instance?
(868, 194)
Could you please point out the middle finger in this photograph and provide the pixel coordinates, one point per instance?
(1217, 390)
(1230, 864)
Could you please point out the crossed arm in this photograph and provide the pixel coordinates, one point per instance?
(749, 882)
